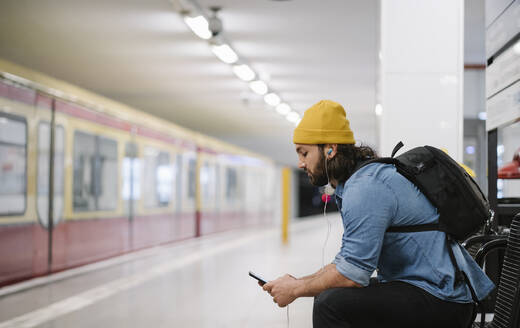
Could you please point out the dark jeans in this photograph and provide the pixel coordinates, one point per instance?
(387, 305)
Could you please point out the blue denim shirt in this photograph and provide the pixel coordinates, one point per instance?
(377, 197)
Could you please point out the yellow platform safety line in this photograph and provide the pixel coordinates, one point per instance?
(286, 201)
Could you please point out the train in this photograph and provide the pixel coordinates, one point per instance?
(120, 179)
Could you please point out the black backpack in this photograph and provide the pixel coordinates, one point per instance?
(463, 208)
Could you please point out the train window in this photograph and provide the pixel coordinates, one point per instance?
(95, 173)
(44, 141)
(131, 173)
(158, 178)
(178, 175)
(217, 185)
(13, 143)
(207, 181)
(231, 183)
(164, 179)
(107, 174)
(192, 175)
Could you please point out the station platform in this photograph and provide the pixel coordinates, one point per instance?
(200, 282)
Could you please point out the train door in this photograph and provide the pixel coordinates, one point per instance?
(50, 180)
(155, 222)
(24, 182)
(208, 191)
(131, 191)
(45, 134)
(187, 186)
(231, 194)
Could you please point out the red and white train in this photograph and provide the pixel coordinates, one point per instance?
(123, 180)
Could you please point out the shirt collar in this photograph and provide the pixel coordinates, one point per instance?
(339, 190)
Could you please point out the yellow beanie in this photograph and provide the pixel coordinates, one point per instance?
(325, 122)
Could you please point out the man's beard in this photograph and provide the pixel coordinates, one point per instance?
(319, 178)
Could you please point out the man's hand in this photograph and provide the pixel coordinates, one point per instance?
(282, 289)
(286, 289)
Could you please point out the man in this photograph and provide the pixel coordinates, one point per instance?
(415, 285)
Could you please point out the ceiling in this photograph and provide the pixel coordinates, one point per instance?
(141, 53)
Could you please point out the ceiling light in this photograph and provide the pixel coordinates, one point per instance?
(379, 110)
(482, 116)
(272, 99)
(244, 72)
(292, 117)
(199, 26)
(258, 87)
(283, 109)
(225, 53)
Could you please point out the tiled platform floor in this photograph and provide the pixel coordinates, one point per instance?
(198, 283)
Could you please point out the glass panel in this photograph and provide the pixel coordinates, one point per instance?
(217, 187)
(178, 177)
(208, 182)
(107, 178)
(84, 152)
(192, 175)
(43, 172)
(158, 178)
(204, 181)
(13, 132)
(164, 179)
(231, 183)
(95, 173)
(131, 173)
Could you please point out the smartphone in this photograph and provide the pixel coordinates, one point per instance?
(257, 277)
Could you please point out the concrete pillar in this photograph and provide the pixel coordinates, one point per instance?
(420, 85)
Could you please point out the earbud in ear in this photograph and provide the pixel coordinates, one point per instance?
(329, 151)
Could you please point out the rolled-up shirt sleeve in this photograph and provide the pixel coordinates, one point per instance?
(351, 271)
(367, 208)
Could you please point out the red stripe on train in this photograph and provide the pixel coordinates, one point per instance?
(31, 97)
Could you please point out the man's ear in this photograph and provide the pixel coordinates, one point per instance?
(331, 150)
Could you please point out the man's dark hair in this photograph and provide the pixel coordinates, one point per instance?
(347, 157)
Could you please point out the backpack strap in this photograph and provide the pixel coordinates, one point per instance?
(399, 145)
(461, 276)
(415, 228)
(384, 160)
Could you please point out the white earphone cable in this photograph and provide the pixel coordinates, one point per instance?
(287, 316)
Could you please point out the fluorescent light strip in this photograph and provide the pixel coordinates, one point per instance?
(244, 72)
(259, 87)
(283, 109)
(225, 53)
(293, 117)
(199, 25)
(272, 99)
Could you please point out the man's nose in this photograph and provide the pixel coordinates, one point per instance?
(301, 165)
